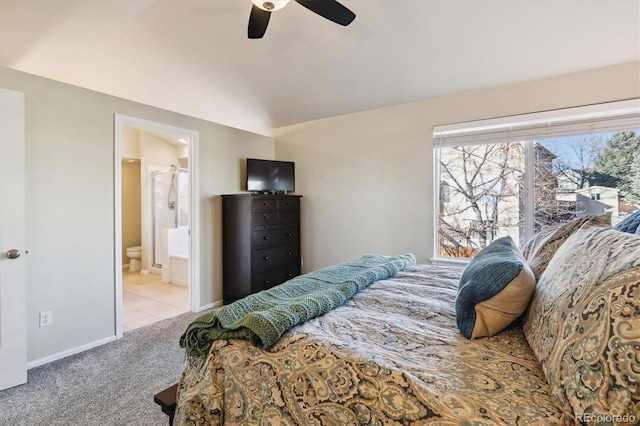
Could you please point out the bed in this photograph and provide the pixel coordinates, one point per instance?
(391, 355)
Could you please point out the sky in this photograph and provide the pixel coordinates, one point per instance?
(568, 149)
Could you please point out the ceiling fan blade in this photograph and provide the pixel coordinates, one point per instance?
(330, 9)
(258, 21)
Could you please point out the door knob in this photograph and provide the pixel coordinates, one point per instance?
(13, 254)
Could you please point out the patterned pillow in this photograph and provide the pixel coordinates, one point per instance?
(583, 324)
(630, 224)
(539, 250)
(534, 245)
(494, 290)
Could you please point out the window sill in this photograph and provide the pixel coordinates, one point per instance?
(449, 261)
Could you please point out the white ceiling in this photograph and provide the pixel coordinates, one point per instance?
(194, 57)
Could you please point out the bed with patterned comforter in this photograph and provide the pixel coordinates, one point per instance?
(393, 351)
(391, 355)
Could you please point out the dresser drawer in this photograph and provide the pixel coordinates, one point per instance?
(289, 204)
(267, 280)
(268, 259)
(266, 219)
(258, 204)
(275, 203)
(288, 217)
(275, 237)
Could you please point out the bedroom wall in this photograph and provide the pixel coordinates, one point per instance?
(70, 205)
(367, 180)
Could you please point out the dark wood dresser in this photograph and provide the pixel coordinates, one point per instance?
(260, 242)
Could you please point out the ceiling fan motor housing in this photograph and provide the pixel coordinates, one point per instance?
(272, 5)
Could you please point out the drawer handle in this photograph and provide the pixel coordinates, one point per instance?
(289, 253)
(266, 282)
(266, 203)
(266, 258)
(289, 234)
(288, 215)
(266, 237)
(290, 275)
(265, 216)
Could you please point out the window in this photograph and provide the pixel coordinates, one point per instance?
(514, 175)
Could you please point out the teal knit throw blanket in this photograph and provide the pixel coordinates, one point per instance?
(263, 317)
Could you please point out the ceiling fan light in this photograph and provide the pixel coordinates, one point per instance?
(270, 5)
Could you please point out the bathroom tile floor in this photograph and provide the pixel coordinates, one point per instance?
(146, 299)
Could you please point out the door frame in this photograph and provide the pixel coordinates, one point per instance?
(193, 138)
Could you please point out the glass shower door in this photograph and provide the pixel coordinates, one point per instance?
(170, 205)
(164, 210)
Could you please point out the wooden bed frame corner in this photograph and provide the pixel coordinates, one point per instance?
(167, 401)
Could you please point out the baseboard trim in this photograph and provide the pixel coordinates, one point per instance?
(69, 352)
(210, 306)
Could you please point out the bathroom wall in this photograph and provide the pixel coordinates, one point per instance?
(183, 157)
(130, 145)
(131, 207)
(157, 152)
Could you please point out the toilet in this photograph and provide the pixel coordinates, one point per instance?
(135, 255)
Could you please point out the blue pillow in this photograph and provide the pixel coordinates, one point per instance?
(630, 224)
(494, 290)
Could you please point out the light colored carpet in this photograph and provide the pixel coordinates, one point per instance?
(112, 384)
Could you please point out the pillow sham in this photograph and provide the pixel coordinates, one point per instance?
(583, 324)
(539, 250)
(535, 243)
(630, 224)
(494, 290)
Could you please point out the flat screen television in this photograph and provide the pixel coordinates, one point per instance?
(270, 176)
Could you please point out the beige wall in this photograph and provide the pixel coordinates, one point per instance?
(367, 178)
(70, 205)
(131, 208)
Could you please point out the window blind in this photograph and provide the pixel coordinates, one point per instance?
(592, 119)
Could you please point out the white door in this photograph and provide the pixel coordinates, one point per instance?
(13, 329)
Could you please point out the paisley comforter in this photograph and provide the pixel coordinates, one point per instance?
(392, 355)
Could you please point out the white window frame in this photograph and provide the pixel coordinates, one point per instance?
(620, 115)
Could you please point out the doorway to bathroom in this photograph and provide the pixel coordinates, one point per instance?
(157, 242)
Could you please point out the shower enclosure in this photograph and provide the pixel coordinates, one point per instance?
(170, 200)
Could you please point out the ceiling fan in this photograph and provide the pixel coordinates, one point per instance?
(261, 12)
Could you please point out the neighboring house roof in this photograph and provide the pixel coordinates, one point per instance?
(597, 189)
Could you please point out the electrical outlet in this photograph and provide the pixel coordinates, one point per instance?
(46, 318)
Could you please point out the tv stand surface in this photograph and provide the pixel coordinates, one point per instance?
(270, 193)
